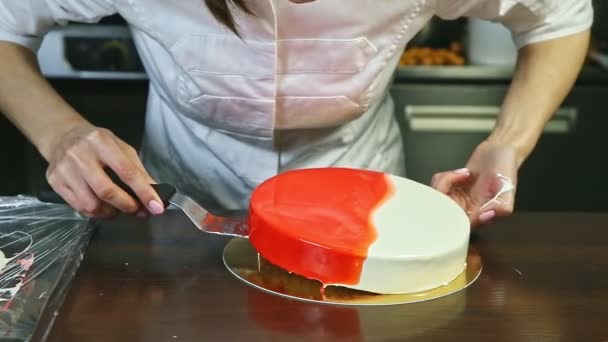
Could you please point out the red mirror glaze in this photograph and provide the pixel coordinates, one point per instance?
(317, 222)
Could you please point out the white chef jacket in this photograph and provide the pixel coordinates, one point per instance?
(305, 86)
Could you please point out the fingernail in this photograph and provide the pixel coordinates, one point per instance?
(155, 207)
(464, 170)
(487, 216)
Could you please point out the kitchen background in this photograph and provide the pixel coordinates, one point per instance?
(447, 89)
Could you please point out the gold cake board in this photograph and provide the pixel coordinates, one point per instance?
(243, 261)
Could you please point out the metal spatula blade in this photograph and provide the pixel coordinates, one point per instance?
(234, 223)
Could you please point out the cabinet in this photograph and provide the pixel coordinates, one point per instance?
(12, 148)
(118, 105)
(442, 122)
(443, 114)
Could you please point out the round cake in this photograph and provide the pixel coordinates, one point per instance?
(360, 229)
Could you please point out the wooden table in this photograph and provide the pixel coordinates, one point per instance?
(545, 278)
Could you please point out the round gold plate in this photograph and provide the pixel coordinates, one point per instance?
(243, 261)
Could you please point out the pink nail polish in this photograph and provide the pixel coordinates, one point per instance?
(155, 207)
(464, 170)
(487, 216)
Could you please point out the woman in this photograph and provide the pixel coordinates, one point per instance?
(241, 90)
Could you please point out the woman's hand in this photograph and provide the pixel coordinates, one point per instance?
(477, 188)
(544, 74)
(76, 172)
(77, 151)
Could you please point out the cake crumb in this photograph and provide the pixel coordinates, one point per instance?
(517, 271)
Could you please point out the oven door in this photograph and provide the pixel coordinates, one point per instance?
(442, 125)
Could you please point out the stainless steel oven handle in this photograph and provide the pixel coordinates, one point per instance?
(474, 119)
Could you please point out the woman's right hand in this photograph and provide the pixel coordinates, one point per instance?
(76, 172)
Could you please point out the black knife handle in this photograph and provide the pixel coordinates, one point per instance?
(165, 191)
(49, 196)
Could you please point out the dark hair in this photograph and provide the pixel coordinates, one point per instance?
(222, 13)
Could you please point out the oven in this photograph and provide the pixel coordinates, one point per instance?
(103, 50)
(443, 120)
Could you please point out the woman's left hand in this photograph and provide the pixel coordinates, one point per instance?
(485, 188)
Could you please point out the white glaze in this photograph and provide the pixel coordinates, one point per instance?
(422, 242)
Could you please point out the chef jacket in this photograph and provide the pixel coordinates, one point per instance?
(305, 85)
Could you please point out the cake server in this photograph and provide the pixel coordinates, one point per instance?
(228, 222)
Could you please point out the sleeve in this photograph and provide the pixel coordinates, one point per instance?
(529, 21)
(25, 22)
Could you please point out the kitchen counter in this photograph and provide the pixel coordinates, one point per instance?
(545, 277)
(482, 74)
(467, 73)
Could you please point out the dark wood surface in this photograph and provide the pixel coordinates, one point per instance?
(545, 278)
